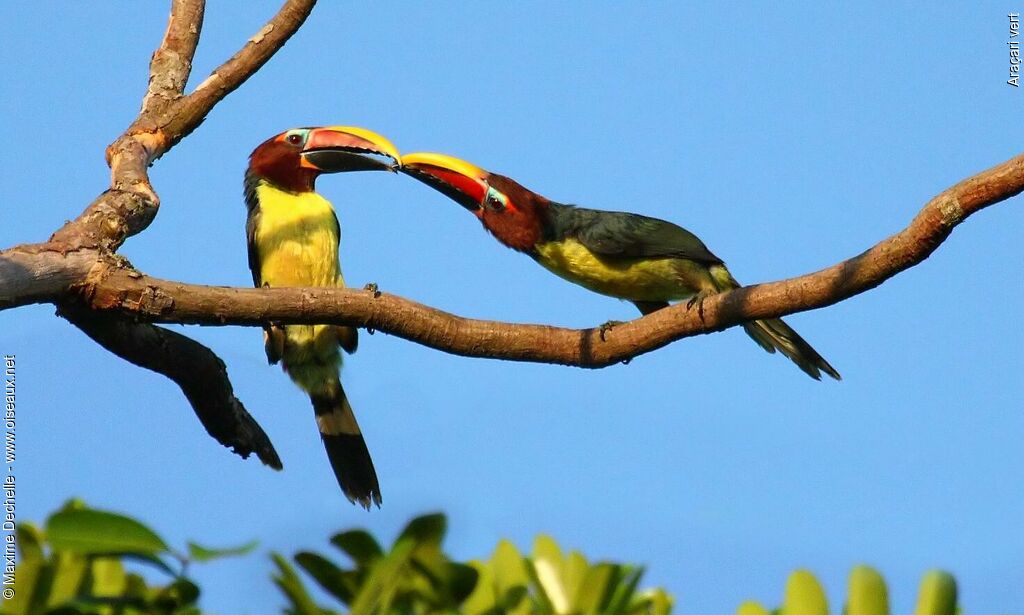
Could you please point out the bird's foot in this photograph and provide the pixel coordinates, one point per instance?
(698, 300)
(608, 326)
(373, 288)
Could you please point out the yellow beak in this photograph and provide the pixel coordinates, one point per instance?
(444, 161)
(336, 149)
(462, 181)
(379, 141)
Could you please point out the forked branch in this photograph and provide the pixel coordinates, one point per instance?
(53, 271)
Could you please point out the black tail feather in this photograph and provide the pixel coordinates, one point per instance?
(774, 334)
(353, 467)
(346, 449)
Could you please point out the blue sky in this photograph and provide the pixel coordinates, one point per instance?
(788, 139)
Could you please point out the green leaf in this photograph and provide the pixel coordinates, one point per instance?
(385, 580)
(180, 593)
(509, 568)
(30, 571)
(462, 580)
(516, 601)
(483, 598)
(95, 531)
(625, 589)
(135, 586)
(804, 595)
(597, 587)
(937, 595)
(423, 579)
(107, 577)
(68, 575)
(539, 594)
(574, 571)
(339, 583)
(199, 553)
(360, 546)
(751, 608)
(74, 504)
(290, 583)
(428, 572)
(30, 541)
(547, 573)
(867, 594)
(659, 602)
(425, 529)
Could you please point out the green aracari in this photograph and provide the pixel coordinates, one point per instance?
(625, 255)
(293, 236)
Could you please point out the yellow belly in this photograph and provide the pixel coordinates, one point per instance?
(635, 279)
(297, 241)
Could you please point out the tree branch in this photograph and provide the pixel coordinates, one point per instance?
(172, 61)
(84, 247)
(233, 73)
(37, 273)
(131, 293)
(167, 117)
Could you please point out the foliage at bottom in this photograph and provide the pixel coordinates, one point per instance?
(76, 565)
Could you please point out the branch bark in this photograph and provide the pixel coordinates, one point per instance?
(172, 61)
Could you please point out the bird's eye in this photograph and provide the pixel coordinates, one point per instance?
(294, 139)
(495, 201)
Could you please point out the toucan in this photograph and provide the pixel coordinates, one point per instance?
(629, 256)
(293, 236)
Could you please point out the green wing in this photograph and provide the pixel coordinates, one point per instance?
(251, 222)
(626, 235)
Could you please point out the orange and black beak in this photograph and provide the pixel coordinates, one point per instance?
(463, 182)
(338, 149)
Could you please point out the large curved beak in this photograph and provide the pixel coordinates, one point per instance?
(463, 182)
(337, 149)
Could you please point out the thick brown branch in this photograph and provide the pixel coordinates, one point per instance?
(193, 367)
(38, 274)
(147, 298)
